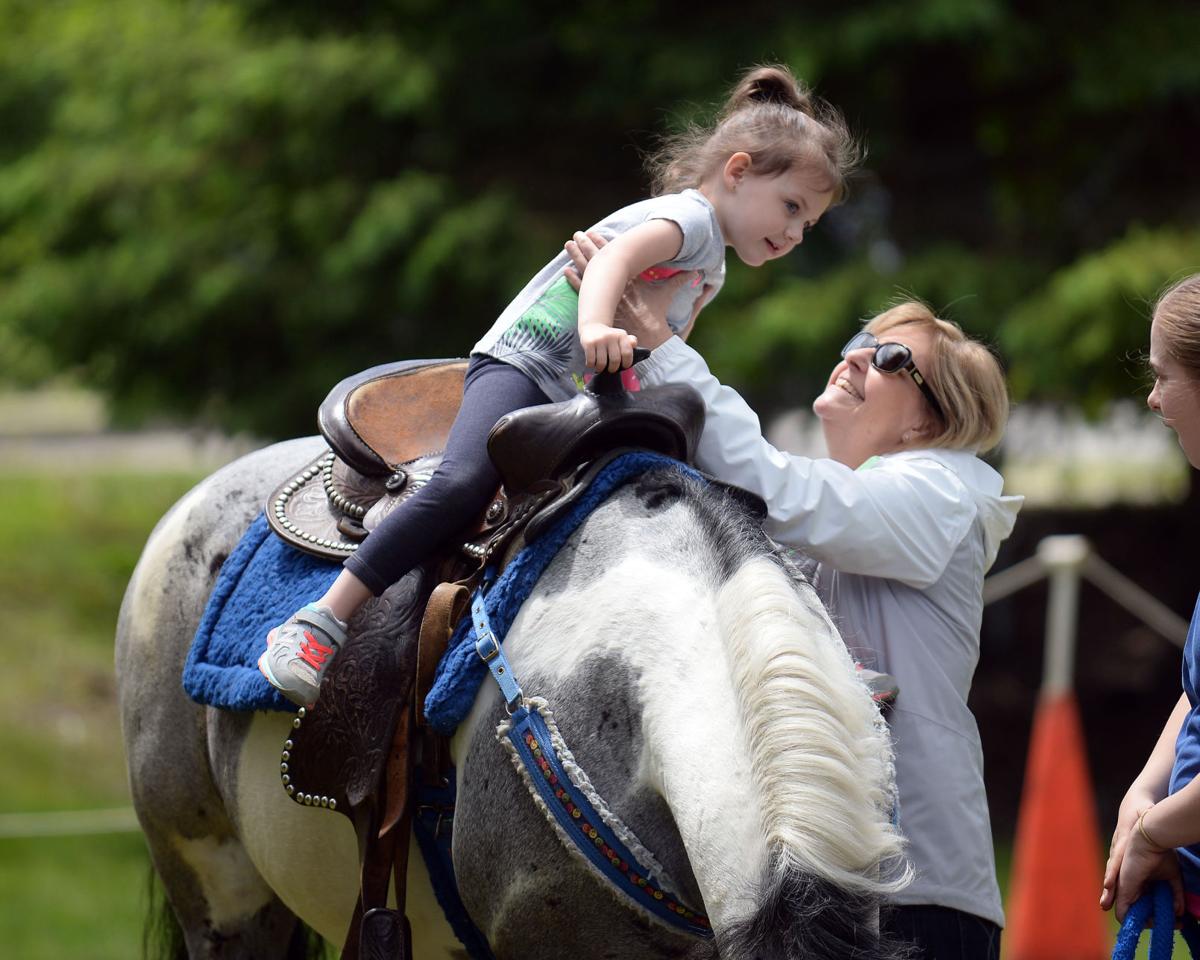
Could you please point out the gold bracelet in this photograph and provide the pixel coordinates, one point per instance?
(1158, 848)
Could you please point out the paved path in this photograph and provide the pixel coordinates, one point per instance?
(154, 451)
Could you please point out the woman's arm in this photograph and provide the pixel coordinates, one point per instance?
(902, 523)
(1123, 880)
(1156, 774)
(1144, 816)
(624, 257)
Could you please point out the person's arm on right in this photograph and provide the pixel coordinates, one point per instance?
(1147, 789)
(902, 522)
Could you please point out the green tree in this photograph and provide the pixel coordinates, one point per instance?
(217, 209)
(207, 219)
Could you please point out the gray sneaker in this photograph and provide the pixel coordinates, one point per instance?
(299, 651)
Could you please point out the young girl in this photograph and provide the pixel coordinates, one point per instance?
(1158, 826)
(755, 181)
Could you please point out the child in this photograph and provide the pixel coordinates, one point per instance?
(1158, 826)
(756, 181)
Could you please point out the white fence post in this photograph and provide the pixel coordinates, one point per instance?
(1062, 557)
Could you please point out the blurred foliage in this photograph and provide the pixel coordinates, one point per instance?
(1096, 311)
(216, 210)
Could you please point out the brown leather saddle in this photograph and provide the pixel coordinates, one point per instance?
(356, 752)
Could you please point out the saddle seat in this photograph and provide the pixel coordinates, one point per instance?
(392, 414)
(386, 427)
(539, 443)
(399, 413)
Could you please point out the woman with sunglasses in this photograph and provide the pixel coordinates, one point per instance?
(900, 523)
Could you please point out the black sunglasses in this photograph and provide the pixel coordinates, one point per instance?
(893, 358)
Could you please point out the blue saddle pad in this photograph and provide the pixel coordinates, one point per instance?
(262, 583)
(265, 581)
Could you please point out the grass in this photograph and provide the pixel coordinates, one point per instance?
(72, 897)
(67, 548)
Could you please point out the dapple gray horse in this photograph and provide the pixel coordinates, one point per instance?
(696, 678)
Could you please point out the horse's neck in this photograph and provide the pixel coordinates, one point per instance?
(654, 625)
(742, 708)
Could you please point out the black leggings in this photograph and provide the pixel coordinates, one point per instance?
(461, 486)
(940, 933)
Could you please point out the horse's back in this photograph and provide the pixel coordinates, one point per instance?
(170, 586)
(233, 849)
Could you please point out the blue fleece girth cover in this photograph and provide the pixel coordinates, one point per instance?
(262, 583)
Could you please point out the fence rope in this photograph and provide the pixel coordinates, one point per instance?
(65, 823)
(1064, 560)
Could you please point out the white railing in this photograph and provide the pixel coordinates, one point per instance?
(1065, 560)
(68, 823)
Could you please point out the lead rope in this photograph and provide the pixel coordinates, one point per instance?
(1157, 900)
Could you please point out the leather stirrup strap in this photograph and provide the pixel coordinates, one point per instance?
(397, 785)
(391, 938)
(368, 855)
(384, 848)
(443, 610)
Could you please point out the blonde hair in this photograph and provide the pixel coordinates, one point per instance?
(774, 118)
(963, 374)
(1177, 314)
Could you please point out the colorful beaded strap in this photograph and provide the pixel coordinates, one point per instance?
(533, 737)
(582, 823)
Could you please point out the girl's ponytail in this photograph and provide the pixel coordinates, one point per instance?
(1177, 314)
(769, 84)
(774, 118)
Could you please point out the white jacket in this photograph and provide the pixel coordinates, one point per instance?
(901, 546)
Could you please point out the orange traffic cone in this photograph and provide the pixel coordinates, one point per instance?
(1055, 885)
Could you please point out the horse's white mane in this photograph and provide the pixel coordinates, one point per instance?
(818, 746)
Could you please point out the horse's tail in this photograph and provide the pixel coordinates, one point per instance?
(818, 746)
(163, 938)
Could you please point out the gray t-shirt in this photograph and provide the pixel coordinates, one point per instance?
(538, 331)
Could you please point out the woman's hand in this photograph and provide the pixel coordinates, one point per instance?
(1141, 865)
(643, 308)
(1133, 861)
(1137, 801)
